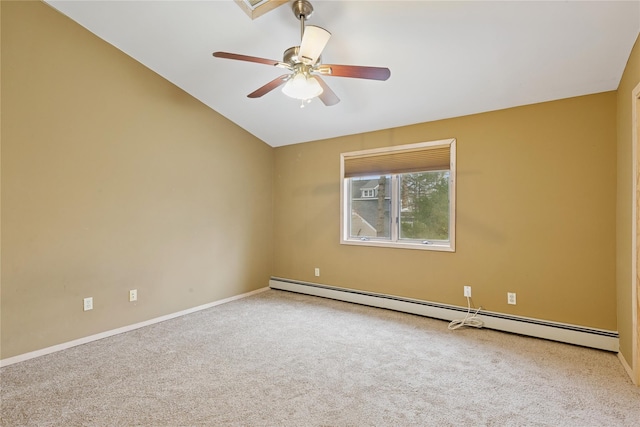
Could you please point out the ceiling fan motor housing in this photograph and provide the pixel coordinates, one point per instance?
(290, 56)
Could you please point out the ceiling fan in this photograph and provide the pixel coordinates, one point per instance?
(305, 64)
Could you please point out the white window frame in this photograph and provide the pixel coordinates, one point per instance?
(395, 241)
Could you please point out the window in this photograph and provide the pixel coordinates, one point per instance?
(400, 196)
(367, 193)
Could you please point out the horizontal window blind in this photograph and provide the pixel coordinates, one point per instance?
(404, 161)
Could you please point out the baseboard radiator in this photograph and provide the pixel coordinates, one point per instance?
(562, 332)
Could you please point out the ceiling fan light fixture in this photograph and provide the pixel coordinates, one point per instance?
(302, 86)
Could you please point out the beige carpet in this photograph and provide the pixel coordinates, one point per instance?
(283, 359)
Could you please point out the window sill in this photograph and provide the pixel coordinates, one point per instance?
(400, 245)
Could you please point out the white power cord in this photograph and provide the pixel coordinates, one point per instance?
(469, 320)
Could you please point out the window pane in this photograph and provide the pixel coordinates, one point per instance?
(424, 205)
(370, 206)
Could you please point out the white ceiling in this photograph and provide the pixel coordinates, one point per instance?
(447, 58)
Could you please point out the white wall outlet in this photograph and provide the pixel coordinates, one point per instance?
(133, 295)
(317, 272)
(511, 298)
(88, 304)
(467, 291)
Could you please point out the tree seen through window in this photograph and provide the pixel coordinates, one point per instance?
(424, 210)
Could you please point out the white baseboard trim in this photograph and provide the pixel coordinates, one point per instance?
(59, 347)
(555, 331)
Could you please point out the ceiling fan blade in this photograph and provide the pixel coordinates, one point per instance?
(313, 42)
(328, 97)
(228, 55)
(355, 71)
(278, 81)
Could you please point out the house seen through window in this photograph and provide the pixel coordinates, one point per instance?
(400, 196)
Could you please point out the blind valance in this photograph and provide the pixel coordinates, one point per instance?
(417, 159)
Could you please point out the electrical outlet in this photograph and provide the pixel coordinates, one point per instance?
(317, 272)
(467, 291)
(511, 298)
(133, 295)
(88, 304)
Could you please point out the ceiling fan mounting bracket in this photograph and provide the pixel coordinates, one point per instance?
(302, 9)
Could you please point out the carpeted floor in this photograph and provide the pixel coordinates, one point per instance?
(283, 359)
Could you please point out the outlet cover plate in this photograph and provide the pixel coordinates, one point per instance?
(88, 304)
(511, 298)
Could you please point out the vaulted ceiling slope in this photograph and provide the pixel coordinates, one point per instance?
(447, 59)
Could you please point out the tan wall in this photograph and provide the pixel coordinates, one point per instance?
(114, 179)
(629, 81)
(536, 214)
